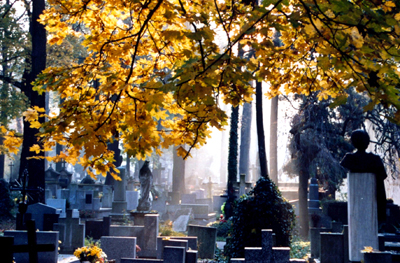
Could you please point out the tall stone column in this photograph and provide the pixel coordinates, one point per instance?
(119, 204)
(362, 214)
(178, 178)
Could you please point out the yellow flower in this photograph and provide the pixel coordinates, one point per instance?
(368, 250)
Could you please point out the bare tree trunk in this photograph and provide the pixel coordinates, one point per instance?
(273, 140)
(260, 131)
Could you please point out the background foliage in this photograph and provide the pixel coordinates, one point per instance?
(262, 208)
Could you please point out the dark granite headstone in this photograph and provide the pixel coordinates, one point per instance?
(174, 254)
(206, 237)
(332, 248)
(119, 247)
(38, 211)
(96, 228)
(377, 257)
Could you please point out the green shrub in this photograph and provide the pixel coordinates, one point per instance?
(6, 203)
(222, 226)
(262, 208)
(299, 248)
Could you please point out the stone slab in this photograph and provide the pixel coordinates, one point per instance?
(119, 247)
(174, 254)
(42, 237)
(206, 237)
(38, 211)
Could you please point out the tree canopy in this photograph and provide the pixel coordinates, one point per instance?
(177, 61)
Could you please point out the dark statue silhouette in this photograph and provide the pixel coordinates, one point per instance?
(146, 182)
(363, 162)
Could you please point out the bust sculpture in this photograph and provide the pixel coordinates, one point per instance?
(363, 162)
(366, 196)
(146, 182)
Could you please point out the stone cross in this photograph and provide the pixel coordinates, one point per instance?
(242, 185)
(20, 185)
(11, 167)
(209, 187)
(72, 233)
(7, 246)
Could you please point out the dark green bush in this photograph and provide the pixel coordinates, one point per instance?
(222, 226)
(262, 208)
(6, 203)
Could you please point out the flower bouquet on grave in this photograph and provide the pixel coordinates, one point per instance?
(91, 254)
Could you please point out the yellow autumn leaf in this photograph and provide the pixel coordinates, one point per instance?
(35, 124)
(330, 14)
(30, 115)
(358, 40)
(35, 148)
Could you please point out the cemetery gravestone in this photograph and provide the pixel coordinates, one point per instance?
(218, 201)
(191, 243)
(51, 181)
(199, 193)
(43, 215)
(365, 191)
(313, 197)
(119, 204)
(191, 256)
(96, 228)
(377, 257)
(72, 233)
(281, 254)
(170, 242)
(332, 248)
(180, 224)
(119, 247)
(150, 236)
(174, 254)
(206, 237)
(107, 196)
(266, 253)
(58, 204)
(188, 198)
(141, 260)
(315, 242)
(32, 246)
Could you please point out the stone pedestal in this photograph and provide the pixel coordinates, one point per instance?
(313, 197)
(331, 248)
(150, 236)
(315, 240)
(138, 217)
(362, 214)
